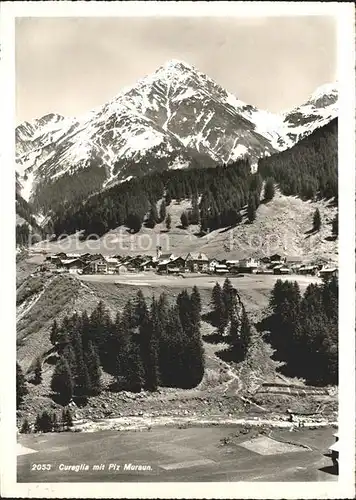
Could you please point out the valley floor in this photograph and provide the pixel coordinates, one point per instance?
(205, 454)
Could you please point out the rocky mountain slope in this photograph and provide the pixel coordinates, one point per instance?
(320, 109)
(175, 118)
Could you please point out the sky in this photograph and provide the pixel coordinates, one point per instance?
(71, 65)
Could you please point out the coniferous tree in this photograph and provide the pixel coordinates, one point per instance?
(140, 308)
(21, 388)
(37, 426)
(316, 220)
(44, 422)
(219, 308)
(100, 328)
(68, 354)
(196, 303)
(54, 332)
(66, 419)
(86, 333)
(153, 337)
(62, 382)
(163, 311)
(152, 217)
(168, 198)
(54, 422)
(162, 211)
(228, 295)
(82, 387)
(38, 372)
(115, 343)
(251, 209)
(93, 366)
(134, 370)
(193, 357)
(195, 214)
(235, 337)
(168, 222)
(134, 222)
(245, 333)
(193, 353)
(269, 190)
(335, 225)
(130, 361)
(186, 312)
(184, 220)
(69, 418)
(154, 212)
(171, 350)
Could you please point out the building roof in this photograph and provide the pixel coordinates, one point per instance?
(111, 260)
(294, 259)
(198, 256)
(150, 261)
(164, 262)
(166, 256)
(70, 261)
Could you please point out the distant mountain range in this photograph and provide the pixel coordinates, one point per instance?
(175, 118)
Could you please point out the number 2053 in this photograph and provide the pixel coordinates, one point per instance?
(40, 467)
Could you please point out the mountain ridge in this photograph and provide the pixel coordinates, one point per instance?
(175, 114)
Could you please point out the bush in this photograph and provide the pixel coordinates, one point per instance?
(25, 428)
(44, 422)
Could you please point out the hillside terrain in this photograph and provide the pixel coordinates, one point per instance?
(225, 208)
(282, 225)
(227, 389)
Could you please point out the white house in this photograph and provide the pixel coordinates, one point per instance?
(212, 264)
(249, 262)
(197, 262)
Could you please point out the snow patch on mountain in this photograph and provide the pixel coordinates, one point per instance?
(162, 115)
(179, 163)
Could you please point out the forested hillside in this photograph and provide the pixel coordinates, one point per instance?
(309, 169)
(25, 222)
(224, 189)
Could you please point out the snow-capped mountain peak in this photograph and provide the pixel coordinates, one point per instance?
(325, 89)
(176, 116)
(320, 108)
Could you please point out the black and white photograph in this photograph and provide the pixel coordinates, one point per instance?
(184, 214)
